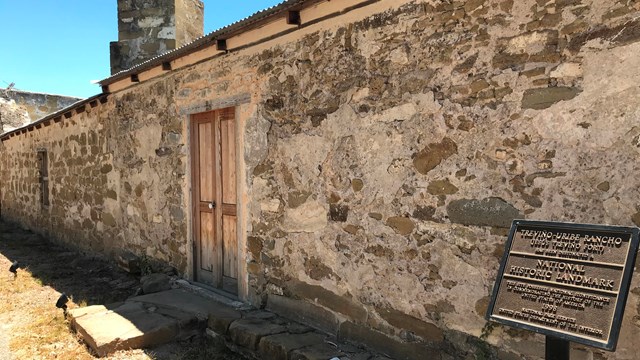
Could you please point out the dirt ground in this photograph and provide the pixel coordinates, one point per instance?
(31, 327)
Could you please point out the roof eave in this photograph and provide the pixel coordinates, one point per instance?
(62, 112)
(211, 38)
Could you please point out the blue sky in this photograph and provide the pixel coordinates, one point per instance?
(59, 46)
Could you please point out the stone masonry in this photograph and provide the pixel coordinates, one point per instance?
(19, 107)
(385, 154)
(148, 28)
(12, 115)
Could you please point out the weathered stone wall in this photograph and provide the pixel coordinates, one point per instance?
(115, 178)
(12, 115)
(402, 146)
(189, 20)
(384, 158)
(118, 172)
(148, 28)
(37, 105)
(78, 183)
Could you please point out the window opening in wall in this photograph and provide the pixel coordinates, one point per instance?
(43, 173)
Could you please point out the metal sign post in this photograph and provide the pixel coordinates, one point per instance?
(556, 349)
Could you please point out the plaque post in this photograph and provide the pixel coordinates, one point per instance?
(556, 349)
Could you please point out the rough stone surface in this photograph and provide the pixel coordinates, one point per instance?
(248, 332)
(437, 93)
(129, 326)
(154, 283)
(33, 105)
(220, 317)
(545, 97)
(178, 299)
(304, 312)
(308, 217)
(433, 154)
(281, 345)
(316, 352)
(394, 348)
(340, 304)
(148, 28)
(428, 332)
(485, 212)
(12, 115)
(401, 225)
(128, 262)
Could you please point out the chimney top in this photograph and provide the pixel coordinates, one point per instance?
(148, 28)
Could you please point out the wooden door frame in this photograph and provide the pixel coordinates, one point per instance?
(190, 201)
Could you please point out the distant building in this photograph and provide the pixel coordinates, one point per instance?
(18, 107)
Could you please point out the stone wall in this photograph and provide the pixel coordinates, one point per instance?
(12, 115)
(148, 28)
(37, 105)
(402, 146)
(385, 156)
(189, 20)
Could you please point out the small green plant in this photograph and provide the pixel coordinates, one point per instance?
(487, 330)
(146, 267)
(483, 349)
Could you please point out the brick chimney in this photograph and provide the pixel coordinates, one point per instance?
(148, 28)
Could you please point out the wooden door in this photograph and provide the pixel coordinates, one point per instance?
(214, 199)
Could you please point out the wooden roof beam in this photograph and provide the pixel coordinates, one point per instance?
(221, 44)
(293, 17)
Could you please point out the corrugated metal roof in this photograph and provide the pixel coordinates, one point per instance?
(209, 39)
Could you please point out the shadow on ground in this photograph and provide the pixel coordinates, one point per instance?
(91, 280)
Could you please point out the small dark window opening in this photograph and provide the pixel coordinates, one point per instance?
(43, 174)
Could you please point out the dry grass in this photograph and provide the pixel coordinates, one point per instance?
(31, 327)
(35, 327)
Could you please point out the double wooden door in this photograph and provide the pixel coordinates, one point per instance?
(215, 198)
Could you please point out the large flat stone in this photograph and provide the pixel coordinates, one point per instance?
(395, 348)
(425, 330)
(434, 154)
(486, 212)
(248, 332)
(158, 318)
(221, 317)
(543, 98)
(129, 326)
(317, 352)
(304, 312)
(181, 300)
(280, 346)
(74, 314)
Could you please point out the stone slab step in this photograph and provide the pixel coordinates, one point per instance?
(182, 300)
(131, 325)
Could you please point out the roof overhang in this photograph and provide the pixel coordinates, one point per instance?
(216, 38)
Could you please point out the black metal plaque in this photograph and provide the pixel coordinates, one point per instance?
(565, 280)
